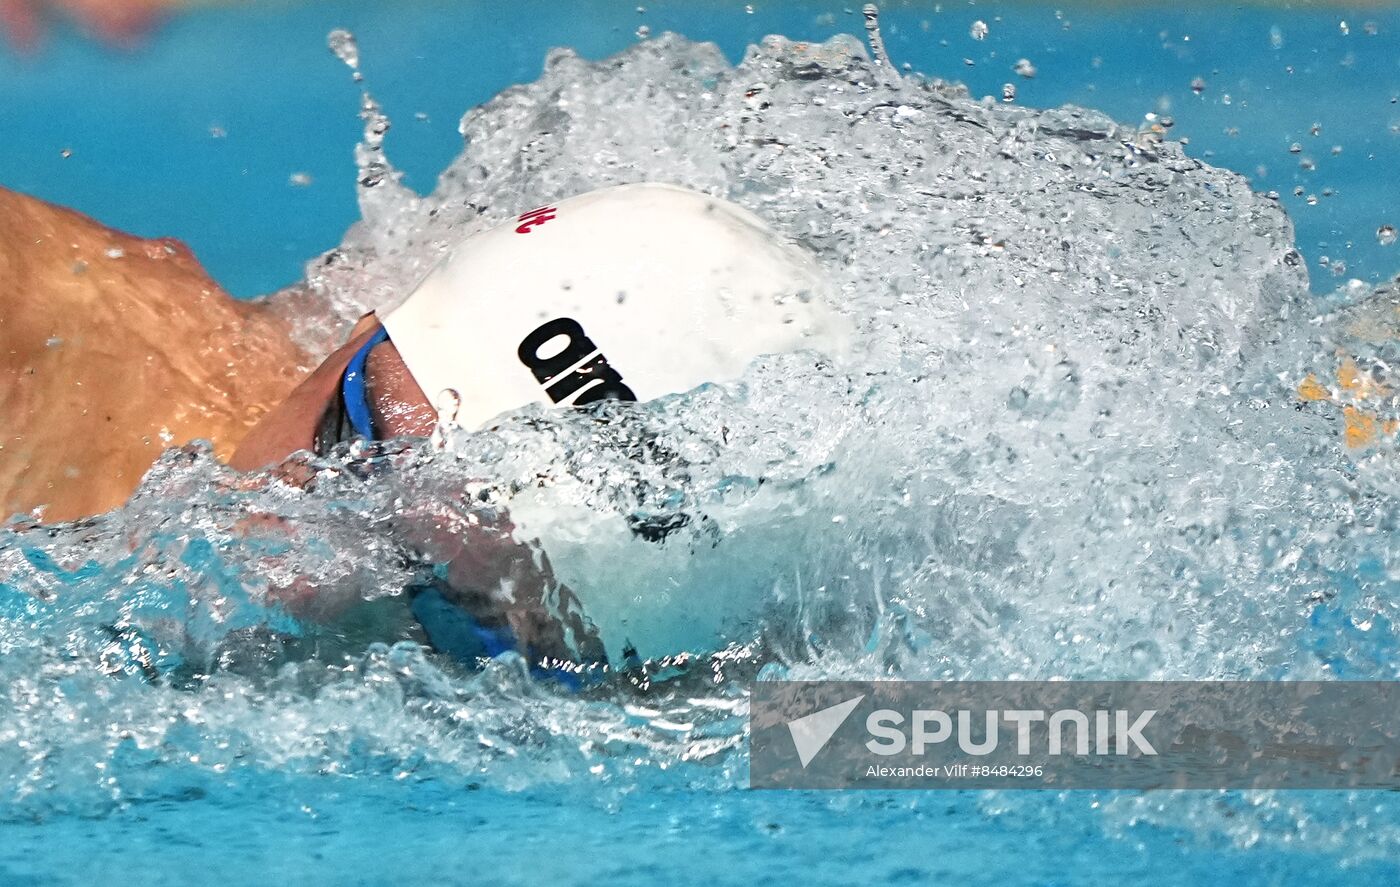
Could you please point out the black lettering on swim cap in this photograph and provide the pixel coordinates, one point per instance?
(546, 368)
(593, 380)
(597, 379)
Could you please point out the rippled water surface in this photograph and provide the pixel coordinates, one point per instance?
(1095, 425)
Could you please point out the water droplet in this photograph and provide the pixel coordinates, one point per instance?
(448, 403)
(342, 43)
(216, 131)
(1371, 29)
(1386, 235)
(1276, 37)
(66, 153)
(1295, 148)
(643, 32)
(1008, 92)
(1025, 68)
(1198, 85)
(749, 9)
(1315, 129)
(114, 252)
(1344, 28)
(979, 30)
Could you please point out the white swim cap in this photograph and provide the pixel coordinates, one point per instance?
(629, 292)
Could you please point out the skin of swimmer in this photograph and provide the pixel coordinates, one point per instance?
(398, 405)
(116, 22)
(113, 348)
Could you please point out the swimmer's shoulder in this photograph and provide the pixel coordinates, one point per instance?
(113, 346)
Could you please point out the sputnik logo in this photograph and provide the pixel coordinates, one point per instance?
(811, 733)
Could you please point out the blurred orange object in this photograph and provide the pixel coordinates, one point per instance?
(117, 22)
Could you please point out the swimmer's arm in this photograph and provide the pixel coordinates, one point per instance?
(501, 580)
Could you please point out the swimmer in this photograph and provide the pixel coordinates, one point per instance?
(627, 293)
(117, 22)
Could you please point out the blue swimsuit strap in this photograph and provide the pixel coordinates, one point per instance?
(352, 387)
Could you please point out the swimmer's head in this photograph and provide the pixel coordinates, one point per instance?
(628, 293)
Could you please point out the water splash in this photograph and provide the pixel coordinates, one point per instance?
(871, 12)
(385, 203)
(1094, 426)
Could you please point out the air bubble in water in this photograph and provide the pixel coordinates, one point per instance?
(1025, 68)
(1198, 85)
(643, 32)
(979, 30)
(1386, 235)
(1008, 92)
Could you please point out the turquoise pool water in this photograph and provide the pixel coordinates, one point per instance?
(388, 767)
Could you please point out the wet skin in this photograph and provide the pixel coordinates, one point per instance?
(112, 348)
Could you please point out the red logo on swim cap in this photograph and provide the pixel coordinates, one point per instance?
(534, 218)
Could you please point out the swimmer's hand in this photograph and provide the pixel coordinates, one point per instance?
(116, 22)
(502, 580)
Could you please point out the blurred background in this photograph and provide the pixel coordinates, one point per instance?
(232, 127)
